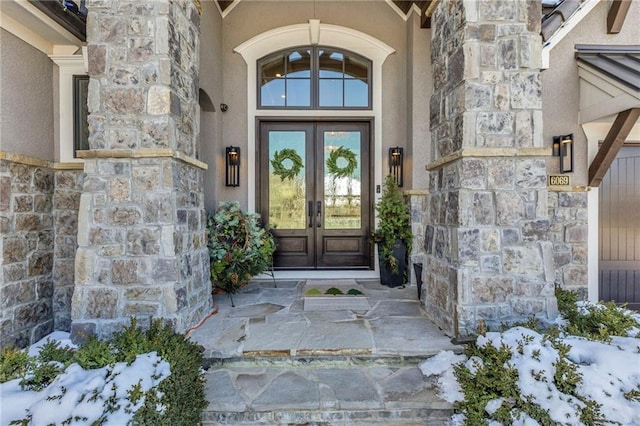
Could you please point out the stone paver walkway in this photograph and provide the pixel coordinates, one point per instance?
(271, 361)
(268, 321)
(317, 394)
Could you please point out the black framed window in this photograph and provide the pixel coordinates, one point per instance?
(314, 77)
(80, 113)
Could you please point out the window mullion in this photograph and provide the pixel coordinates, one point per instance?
(315, 77)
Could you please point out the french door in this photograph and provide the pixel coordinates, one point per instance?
(314, 191)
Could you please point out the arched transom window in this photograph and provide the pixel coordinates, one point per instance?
(314, 77)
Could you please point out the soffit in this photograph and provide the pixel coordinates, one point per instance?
(609, 80)
(404, 5)
(32, 25)
(622, 63)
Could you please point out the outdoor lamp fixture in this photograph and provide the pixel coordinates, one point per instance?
(232, 166)
(563, 148)
(395, 164)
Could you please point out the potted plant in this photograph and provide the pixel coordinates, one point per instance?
(239, 247)
(393, 235)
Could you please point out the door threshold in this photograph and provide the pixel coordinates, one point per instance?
(316, 274)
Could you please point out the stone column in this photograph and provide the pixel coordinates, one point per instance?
(141, 233)
(489, 254)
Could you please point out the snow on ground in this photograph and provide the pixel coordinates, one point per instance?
(83, 394)
(608, 371)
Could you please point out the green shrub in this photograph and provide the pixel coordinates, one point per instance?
(493, 378)
(181, 394)
(95, 353)
(597, 322)
(51, 351)
(394, 223)
(41, 376)
(183, 391)
(531, 323)
(239, 247)
(14, 363)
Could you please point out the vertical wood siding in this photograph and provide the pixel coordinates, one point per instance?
(619, 277)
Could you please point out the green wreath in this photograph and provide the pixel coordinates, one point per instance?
(348, 169)
(279, 168)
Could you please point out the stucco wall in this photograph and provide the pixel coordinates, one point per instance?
(250, 18)
(26, 103)
(211, 144)
(561, 85)
(419, 92)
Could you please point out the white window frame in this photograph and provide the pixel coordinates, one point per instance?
(68, 66)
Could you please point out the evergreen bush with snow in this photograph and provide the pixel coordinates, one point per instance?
(140, 377)
(583, 371)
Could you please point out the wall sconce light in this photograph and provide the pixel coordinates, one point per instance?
(232, 166)
(395, 164)
(563, 148)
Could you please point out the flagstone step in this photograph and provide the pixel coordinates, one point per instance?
(322, 392)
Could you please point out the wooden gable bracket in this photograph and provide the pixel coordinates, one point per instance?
(617, 14)
(425, 13)
(614, 140)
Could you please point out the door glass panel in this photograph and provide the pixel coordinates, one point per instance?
(342, 180)
(287, 186)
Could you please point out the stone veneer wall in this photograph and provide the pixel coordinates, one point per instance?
(569, 233)
(142, 249)
(487, 243)
(66, 201)
(26, 245)
(418, 207)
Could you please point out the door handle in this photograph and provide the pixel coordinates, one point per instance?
(310, 214)
(319, 218)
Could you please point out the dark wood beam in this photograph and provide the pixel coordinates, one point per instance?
(425, 21)
(614, 140)
(617, 14)
(224, 4)
(426, 10)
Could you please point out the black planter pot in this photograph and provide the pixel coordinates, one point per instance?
(387, 276)
(417, 267)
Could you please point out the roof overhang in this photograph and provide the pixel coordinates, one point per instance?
(27, 22)
(609, 93)
(609, 80)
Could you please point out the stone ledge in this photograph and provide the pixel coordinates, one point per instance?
(37, 162)
(142, 153)
(416, 192)
(568, 188)
(489, 152)
(77, 165)
(24, 159)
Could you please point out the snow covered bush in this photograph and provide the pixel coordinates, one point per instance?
(598, 321)
(140, 377)
(583, 371)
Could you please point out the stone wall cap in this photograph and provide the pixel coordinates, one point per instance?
(568, 188)
(489, 152)
(142, 153)
(416, 192)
